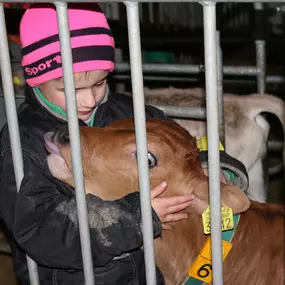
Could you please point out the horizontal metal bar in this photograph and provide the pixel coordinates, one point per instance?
(273, 170)
(183, 112)
(275, 79)
(240, 70)
(161, 67)
(160, 41)
(157, 78)
(186, 68)
(200, 113)
(271, 79)
(258, 6)
(150, 1)
(275, 145)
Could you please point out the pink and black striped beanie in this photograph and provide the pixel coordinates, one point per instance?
(92, 41)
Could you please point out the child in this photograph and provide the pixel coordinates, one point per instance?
(41, 219)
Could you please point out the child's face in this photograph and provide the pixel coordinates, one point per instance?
(90, 91)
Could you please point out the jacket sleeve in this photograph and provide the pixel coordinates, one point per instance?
(153, 112)
(43, 219)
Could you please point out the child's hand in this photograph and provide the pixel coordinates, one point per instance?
(167, 208)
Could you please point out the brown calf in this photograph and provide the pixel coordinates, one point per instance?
(110, 169)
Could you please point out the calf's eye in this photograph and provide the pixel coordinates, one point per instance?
(152, 161)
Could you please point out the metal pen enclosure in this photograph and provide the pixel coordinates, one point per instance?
(213, 72)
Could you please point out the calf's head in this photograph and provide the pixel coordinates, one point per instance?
(110, 162)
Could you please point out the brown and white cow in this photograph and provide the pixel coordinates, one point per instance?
(246, 130)
(110, 170)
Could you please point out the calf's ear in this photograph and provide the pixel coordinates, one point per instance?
(234, 198)
(231, 196)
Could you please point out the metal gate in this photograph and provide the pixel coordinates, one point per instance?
(211, 53)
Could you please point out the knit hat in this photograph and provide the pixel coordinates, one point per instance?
(92, 42)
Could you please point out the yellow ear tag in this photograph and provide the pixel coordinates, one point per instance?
(201, 269)
(206, 250)
(227, 219)
(202, 144)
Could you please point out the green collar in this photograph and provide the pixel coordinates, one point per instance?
(227, 236)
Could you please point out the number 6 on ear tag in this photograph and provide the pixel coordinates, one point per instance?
(201, 269)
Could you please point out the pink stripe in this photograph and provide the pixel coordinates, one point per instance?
(82, 41)
(77, 67)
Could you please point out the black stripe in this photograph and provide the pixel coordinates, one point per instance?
(75, 33)
(80, 54)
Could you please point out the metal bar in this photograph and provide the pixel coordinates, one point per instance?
(186, 69)
(141, 138)
(260, 63)
(220, 89)
(160, 67)
(274, 79)
(273, 170)
(209, 17)
(275, 145)
(150, 1)
(260, 57)
(73, 126)
(8, 90)
(183, 112)
(10, 105)
(156, 78)
(160, 41)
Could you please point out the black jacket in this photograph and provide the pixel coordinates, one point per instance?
(41, 220)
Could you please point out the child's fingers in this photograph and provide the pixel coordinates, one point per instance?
(176, 201)
(174, 218)
(156, 191)
(177, 208)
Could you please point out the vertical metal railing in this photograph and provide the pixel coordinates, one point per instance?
(260, 49)
(73, 127)
(10, 105)
(212, 109)
(141, 139)
(220, 89)
(213, 67)
(260, 64)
